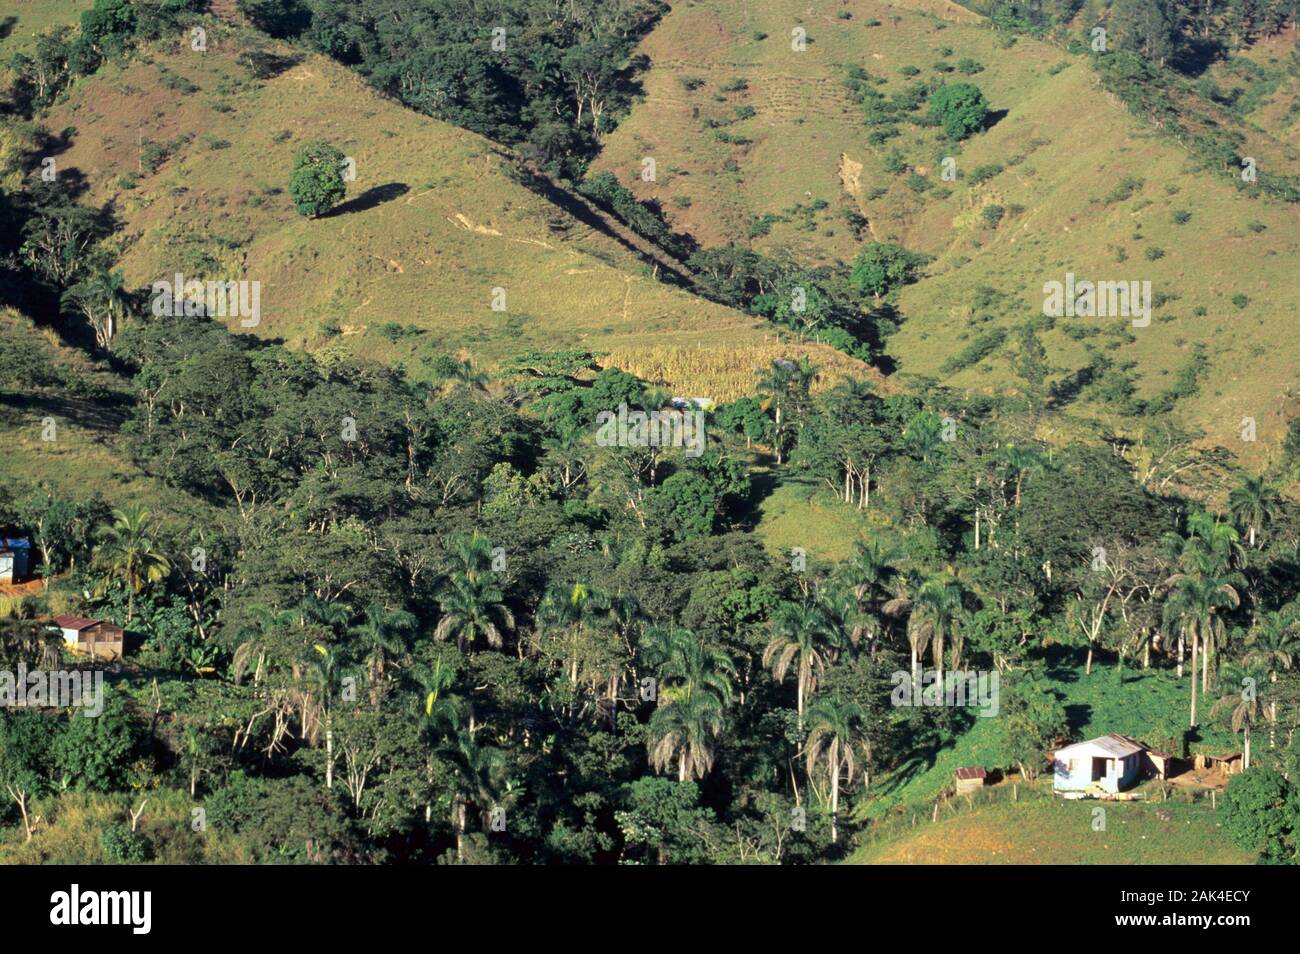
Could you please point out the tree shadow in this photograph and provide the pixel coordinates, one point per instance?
(1196, 55)
(7, 25)
(994, 116)
(369, 199)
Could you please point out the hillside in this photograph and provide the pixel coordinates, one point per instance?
(1045, 831)
(758, 144)
(194, 154)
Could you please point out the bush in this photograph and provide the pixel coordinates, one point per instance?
(883, 266)
(125, 846)
(316, 183)
(1260, 813)
(961, 108)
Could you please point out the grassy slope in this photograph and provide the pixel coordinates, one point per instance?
(450, 227)
(21, 22)
(1076, 145)
(1054, 831)
(1149, 705)
(85, 456)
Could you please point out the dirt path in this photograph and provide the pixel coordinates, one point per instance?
(851, 181)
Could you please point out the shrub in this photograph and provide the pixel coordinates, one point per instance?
(124, 846)
(961, 108)
(316, 183)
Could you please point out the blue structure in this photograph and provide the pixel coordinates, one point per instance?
(1102, 766)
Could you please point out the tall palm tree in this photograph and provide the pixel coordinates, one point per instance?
(568, 614)
(801, 635)
(382, 633)
(127, 553)
(835, 733)
(694, 689)
(871, 572)
(682, 731)
(1253, 504)
(1240, 693)
(323, 672)
(1194, 606)
(473, 609)
(934, 612)
(1273, 644)
(480, 774)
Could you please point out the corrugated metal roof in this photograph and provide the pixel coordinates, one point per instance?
(74, 622)
(973, 771)
(1116, 746)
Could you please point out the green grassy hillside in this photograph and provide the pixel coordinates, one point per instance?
(1048, 831)
(757, 144)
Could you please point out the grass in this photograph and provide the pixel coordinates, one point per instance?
(807, 141)
(1151, 705)
(1042, 829)
(20, 24)
(435, 221)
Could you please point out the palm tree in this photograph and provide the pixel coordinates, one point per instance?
(802, 634)
(324, 671)
(834, 733)
(127, 553)
(1252, 504)
(480, 773)
(473, 608)
(1272, 644)
(694, 688)
(784, 386)
(933, 613)
(1241, 694)
(1193, 606)
(681, 733)
(568, 614)
(383, 631)
(871, 573)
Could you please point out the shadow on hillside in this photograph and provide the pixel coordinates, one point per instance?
(1196, 55)
(578, 209)
(7, 25)
(994, 117)
(370, 199)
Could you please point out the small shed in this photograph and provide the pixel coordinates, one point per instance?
(1104, 765)
(96, 638)
(970, 779)
(1159, 764)
(15, 558)
(1228, 764)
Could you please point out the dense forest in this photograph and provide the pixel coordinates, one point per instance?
(386, 617)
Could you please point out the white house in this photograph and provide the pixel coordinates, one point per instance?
(1109, 764)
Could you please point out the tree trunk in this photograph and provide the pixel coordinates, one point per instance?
(1194, 649)
(835, 800)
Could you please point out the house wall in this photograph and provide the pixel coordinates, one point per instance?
(1120, 773)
